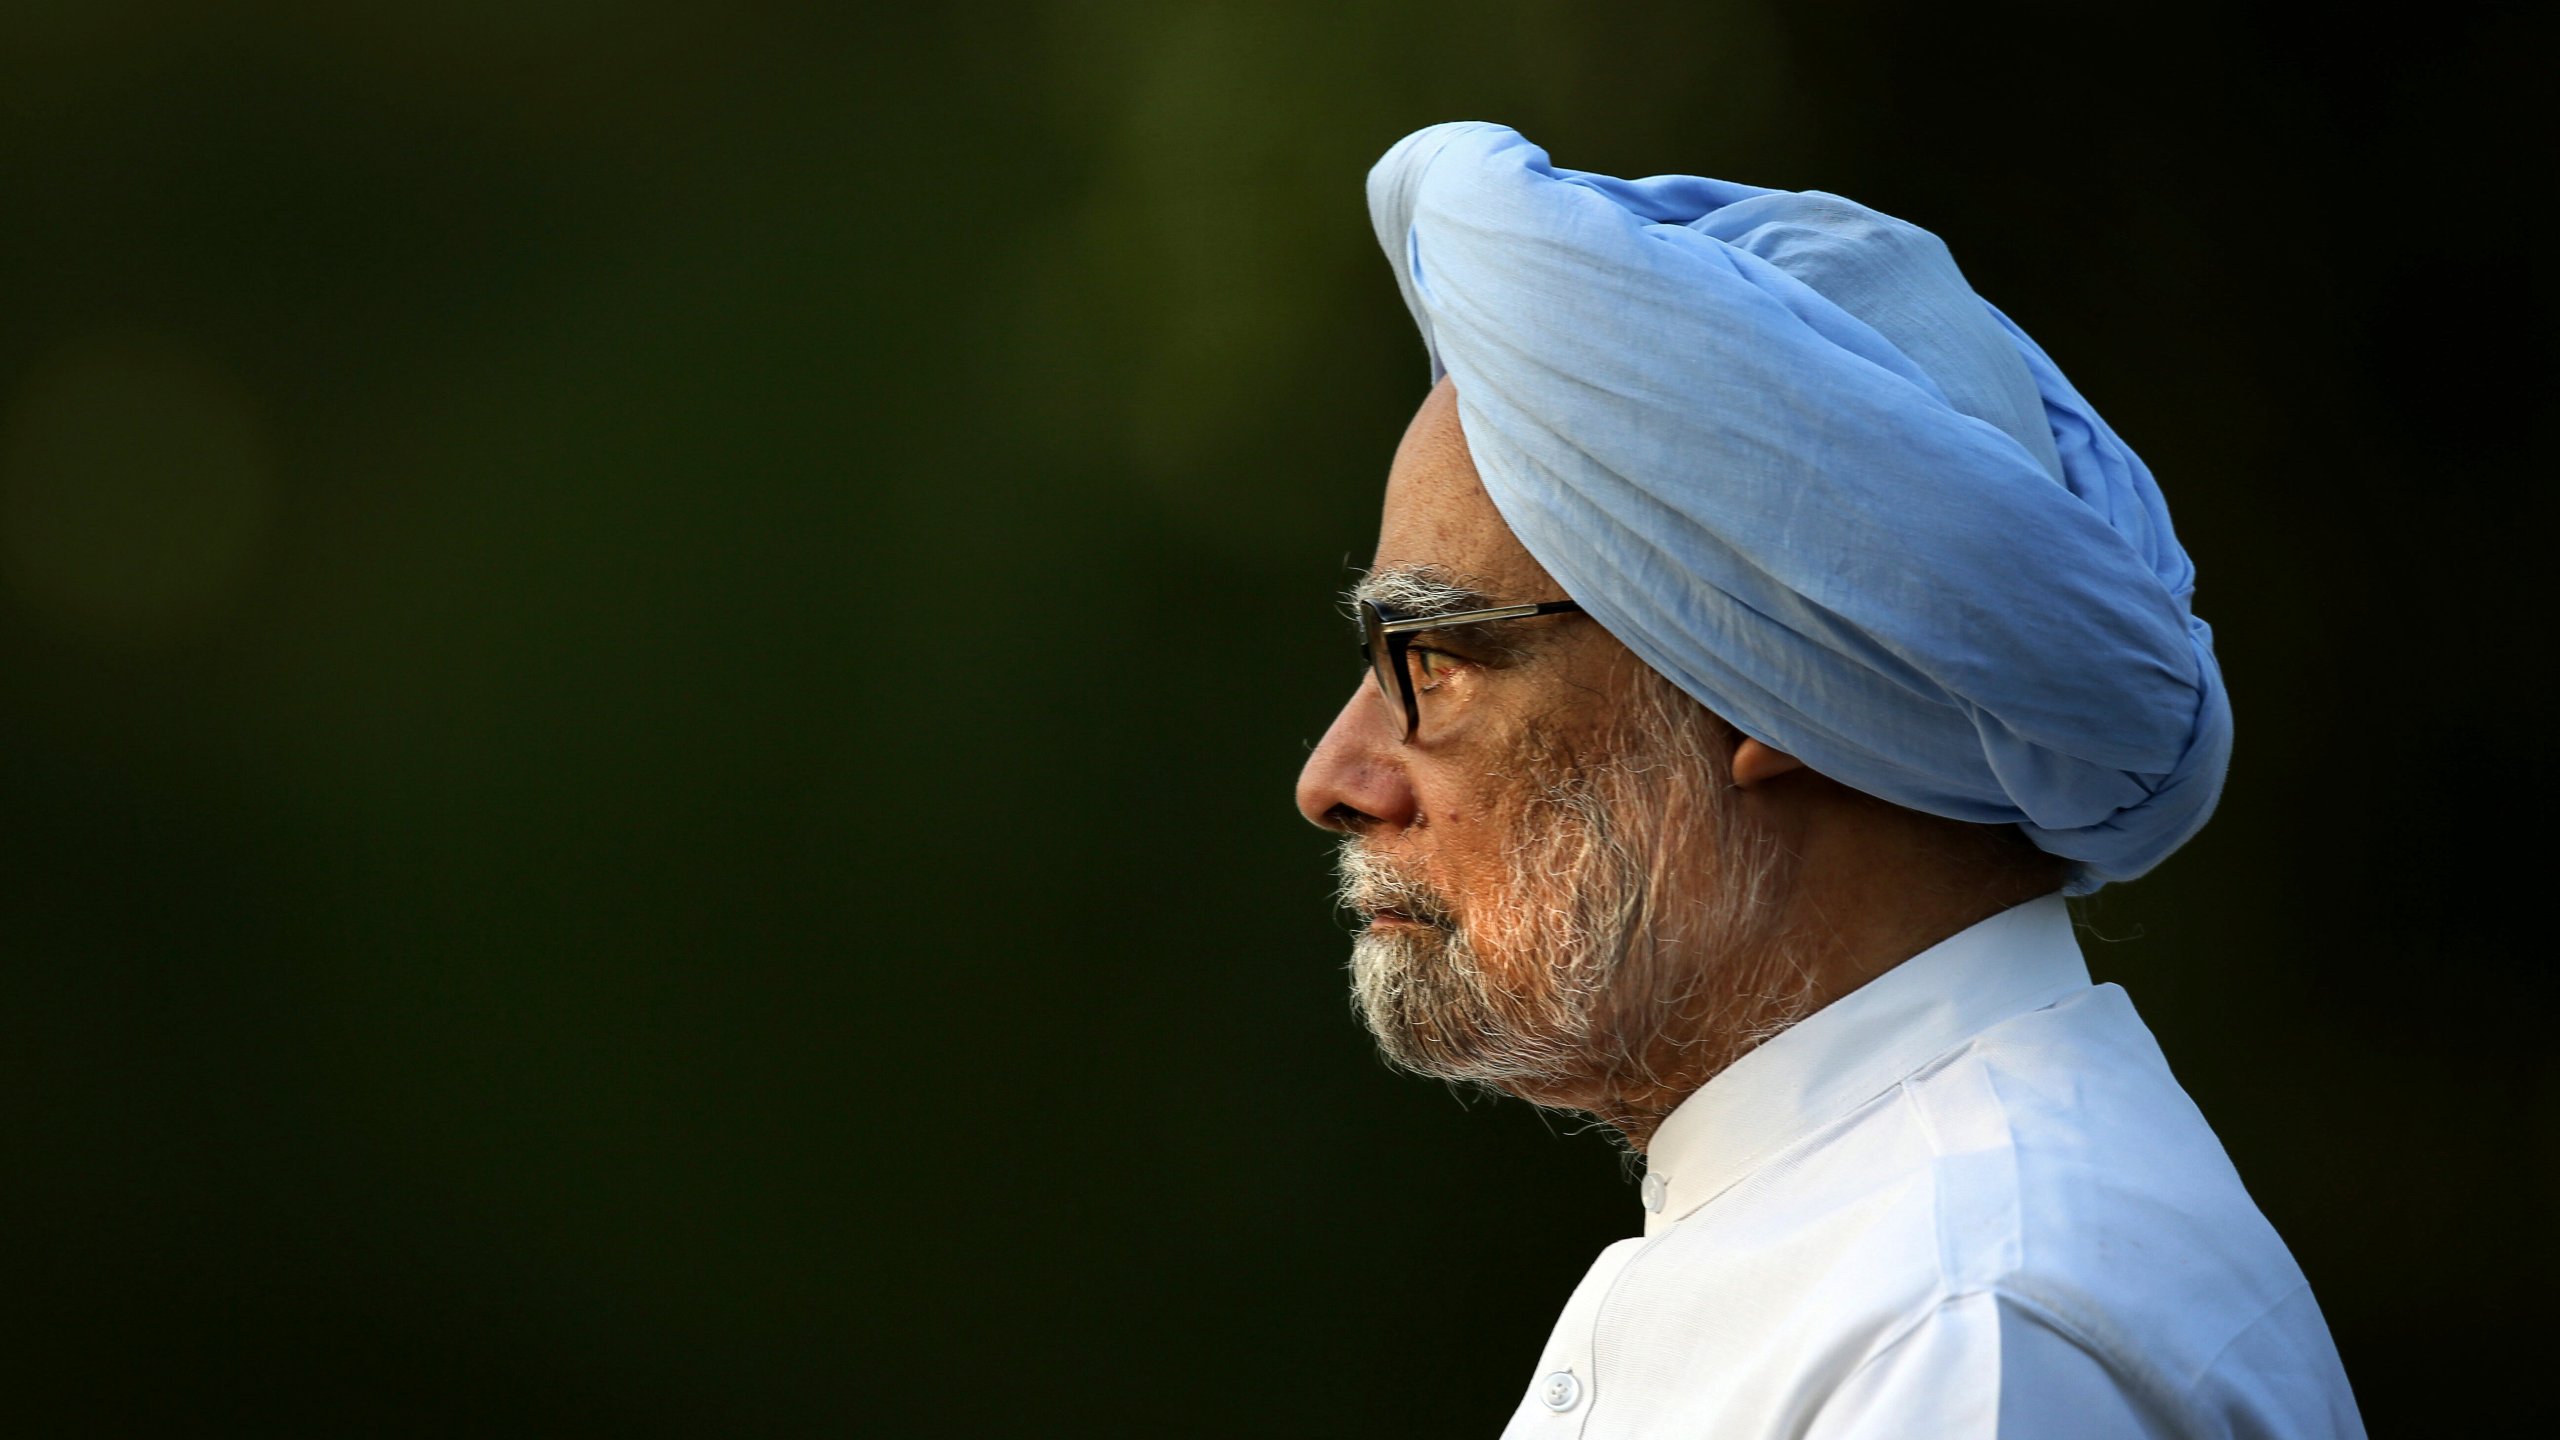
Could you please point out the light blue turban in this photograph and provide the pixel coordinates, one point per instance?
(1774, 443)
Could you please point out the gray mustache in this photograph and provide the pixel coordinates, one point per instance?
(1370, 885)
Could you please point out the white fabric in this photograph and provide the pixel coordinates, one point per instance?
(1966, 1200)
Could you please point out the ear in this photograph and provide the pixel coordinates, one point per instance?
(1754, 763)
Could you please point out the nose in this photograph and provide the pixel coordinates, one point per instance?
(1356, 778)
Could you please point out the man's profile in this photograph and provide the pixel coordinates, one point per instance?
(1765, 637)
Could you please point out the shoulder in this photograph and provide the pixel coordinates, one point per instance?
(2063, 1163)
(2036, 1216)
(2086, 1218)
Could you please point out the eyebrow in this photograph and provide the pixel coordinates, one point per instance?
(1419, 592)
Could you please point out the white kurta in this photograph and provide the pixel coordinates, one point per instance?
(1967, 1199)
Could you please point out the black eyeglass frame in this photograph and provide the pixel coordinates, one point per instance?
(1385, 637)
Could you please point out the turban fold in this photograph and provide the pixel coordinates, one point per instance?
(1774, 443)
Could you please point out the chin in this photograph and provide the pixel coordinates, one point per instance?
(1421, 992)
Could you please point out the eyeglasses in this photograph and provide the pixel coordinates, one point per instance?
(1387, 643)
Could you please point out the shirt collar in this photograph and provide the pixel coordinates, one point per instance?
(1856, 1048)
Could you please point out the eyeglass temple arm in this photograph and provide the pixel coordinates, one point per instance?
(1472, 617)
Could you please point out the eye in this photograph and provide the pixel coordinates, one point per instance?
(1430, 666)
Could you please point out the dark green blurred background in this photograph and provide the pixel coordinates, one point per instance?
(654, 656)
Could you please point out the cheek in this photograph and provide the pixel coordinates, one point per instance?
(1447, 808)
(1465, 842)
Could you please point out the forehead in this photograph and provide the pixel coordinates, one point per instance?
(1438, 514)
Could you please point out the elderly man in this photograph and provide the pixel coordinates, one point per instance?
(1765, 637)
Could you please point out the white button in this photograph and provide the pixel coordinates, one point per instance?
(1561, 1391)
(1655, 1191)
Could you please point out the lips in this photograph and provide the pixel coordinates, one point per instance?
(1390, 917)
